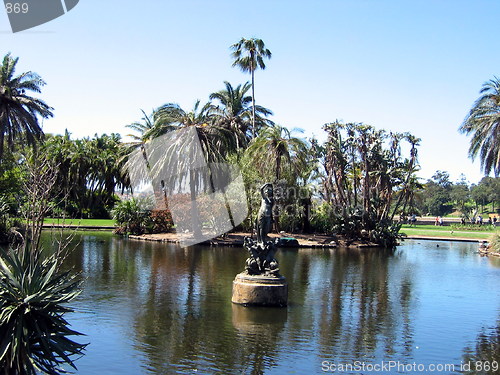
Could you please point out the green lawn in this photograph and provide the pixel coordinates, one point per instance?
(446, 231)
(82, 222)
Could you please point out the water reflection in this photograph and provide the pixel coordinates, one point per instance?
(258, 335)
(484, 358)
(170, 311)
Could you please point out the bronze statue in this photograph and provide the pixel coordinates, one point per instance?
(265, 215)
(261, 260)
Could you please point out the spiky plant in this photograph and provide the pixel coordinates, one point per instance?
(34, 335)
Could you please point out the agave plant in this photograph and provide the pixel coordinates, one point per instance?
(33, 331)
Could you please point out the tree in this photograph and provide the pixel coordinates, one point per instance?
(460, 194)
(89, 170)
(437, 200)
(18, 111)
(486, 191)
(182, 157)
(216, 141)
(275, 155)
(483, 122)
(233, 112)
(249, 55)
(275, 150)
(368, 180)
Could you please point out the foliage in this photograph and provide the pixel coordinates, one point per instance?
(34, 291)
(483, 122)
(275, 151)
(472, 227)
(4, 220)
(33, 296)
(161, 221)
(18, 111)
(487, 191)
(130, 216)
(437, 198)
(494, 242)
(367, 180)
(89, 171)
(234, 113)
(322, 219)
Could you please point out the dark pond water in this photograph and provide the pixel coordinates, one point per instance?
(151, 308)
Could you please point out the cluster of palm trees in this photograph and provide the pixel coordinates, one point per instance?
(89, 172)
(228, 114)
(232, 126)
(225, 127)
(367, 179)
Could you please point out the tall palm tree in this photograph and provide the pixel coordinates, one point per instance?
(235, 113)
(483, 121)
(249, 55)
(19, 111)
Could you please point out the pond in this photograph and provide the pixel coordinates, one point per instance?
(154, 308)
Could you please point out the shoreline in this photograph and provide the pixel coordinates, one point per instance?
(236, 239)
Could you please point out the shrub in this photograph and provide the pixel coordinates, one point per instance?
(494, 242)
(131, 217)
(33, 331)
(161, 221)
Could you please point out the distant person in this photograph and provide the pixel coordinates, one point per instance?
(441, 221)
(413, 220)
(490, 222)
(462, 220)
(495, 221)
(436, 222)
(480, 220)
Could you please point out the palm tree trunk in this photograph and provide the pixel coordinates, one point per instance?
(253, 105)
(1, 143)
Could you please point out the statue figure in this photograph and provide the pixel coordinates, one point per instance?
(261, 260)
(265, 215)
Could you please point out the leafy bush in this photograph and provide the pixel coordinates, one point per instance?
(494, 242)
(291, 217)
(354, 224)
(131, 217)
(161, 221)
(33, 331)
(322, 218)
(472, 227)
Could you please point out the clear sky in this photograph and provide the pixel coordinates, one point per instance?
(399, 65)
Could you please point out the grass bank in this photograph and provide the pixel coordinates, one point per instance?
(447, 232)
(98, 223)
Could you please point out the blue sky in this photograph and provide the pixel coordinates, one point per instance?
(398, 65)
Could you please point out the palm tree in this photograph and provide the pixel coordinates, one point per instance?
(277, 156)
(249, 55)
(178, 162)
(483, 121)
(275, 150)
(141, 127)
(234, 112)
(215, 140)
(19, 111)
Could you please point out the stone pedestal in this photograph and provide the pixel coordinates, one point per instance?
(260, 290)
